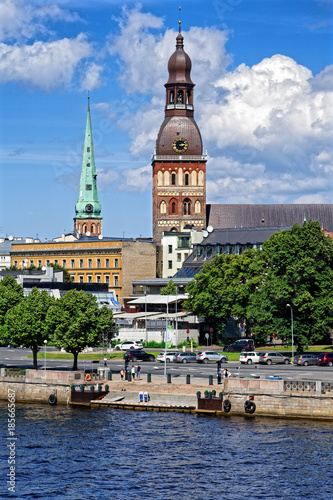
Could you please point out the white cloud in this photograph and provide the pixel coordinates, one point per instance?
(106, 177)
(92, 77)
(43, 65)
(138, 179)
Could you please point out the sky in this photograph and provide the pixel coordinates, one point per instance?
(263, 100)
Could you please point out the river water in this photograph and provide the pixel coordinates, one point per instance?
(81, 453)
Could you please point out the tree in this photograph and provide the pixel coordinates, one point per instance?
(73, 322)
(169, 289)
(25, 322)
(294, 267)
(11, 293)
(107, 327)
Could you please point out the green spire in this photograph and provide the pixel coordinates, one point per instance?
(88, 206)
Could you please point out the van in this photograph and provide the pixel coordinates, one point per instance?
(325, 358)
(240, 345)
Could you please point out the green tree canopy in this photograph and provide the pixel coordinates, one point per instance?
(25, 322)
(73, 322)
(294, 267)
(11, 293)
(169, 289)
(107, 327)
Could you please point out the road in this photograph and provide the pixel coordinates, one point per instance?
(18, 358)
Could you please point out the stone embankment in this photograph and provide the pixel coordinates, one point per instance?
(271, 397)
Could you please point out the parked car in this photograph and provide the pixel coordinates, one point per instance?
(207, 356)
(186, 357)
(273, 357)
(170, 356)
(137, 354)
(240, 345)
(129, 344)
(325, 358)
(305, 359)
(249, 357)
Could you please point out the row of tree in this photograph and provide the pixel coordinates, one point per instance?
(294, 270)
(72, 322)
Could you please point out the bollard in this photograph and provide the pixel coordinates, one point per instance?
(213, 394)
(106, 388)
(169, 378)
(140, 397)
(206, 394)
(99, 388)
(198, 394)
(82, 387)
(209, 395)
(148, 377)
(129, 377)
(188, 378)
(72, 388)
(109, 375)
(92, 388)
(210, 379)
(221, 396)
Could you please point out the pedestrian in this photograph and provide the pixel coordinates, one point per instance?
(138, 371)
(133, 372)
(105, 361)
(121, 374)
(226, 373)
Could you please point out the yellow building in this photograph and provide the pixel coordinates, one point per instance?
(116, 262)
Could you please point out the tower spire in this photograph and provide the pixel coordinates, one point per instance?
(88, 209)
(180, 20)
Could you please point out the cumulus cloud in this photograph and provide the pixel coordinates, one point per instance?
(92, 78)
(106, 177)
(138, 179)
(45, 65)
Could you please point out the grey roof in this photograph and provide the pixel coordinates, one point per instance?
(227, 216)
(253, 235)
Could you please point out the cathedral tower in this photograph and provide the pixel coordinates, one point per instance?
(88, 220)
(179, 166)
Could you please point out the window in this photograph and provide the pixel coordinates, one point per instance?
(81, 278)
(179, 257)
(73, 277)
(81, 263)
(47, 262)
(115, 262)
(88, 164)
(173, 179)
(201, 178)
(160, 178)
(39, 263)
(187, 207)
(89, 187)
(98, 278)
(169, 264)
(166, 179)
(180, 97)
(15, 263)
(107, 279)
(187, 179)
(194, 178)
(98, 262)
(56, 261)
(89, 278)
(163, 207)
(64, 263)
(90, 263)
(173, 207)
(116, 280)
(72, 263)
(107, 262)
(197, 207)
(169, 248)
(31, 263)
(88, 149)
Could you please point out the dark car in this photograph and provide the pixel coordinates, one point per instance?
(137, 354)
(240, 345)
(325, 358)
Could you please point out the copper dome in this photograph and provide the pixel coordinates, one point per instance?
(179, 126)
(180, 64)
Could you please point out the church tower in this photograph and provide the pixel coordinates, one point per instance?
(179, 166)
(88, 220)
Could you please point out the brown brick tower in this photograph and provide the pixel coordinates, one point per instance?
(179, 166)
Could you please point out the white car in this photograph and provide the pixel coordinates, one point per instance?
(129, 344)
(170, 356)
(249, 357)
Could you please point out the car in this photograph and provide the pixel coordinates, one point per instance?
(186, 357)
(170, 356)
(249, 357)
(207, 356)
(273, 357)
(240, 345)
(305, 359)
(129, 344)
(137, 354)
(325, 358)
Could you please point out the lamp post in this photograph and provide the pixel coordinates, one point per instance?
(45, 342)
(292, 332)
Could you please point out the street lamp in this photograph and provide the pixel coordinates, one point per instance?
(45, 342)
(292, 333)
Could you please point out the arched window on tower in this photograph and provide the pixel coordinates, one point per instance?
(93, 230)
(197, 207)
(160, 178)
(173, 179)
(194, 178)
(187, 178)
(172, 97)
(187, 206)
(180, 97)
(84, 228)
(201, 178)
(166, 178)
(173, 206)
(163, 207)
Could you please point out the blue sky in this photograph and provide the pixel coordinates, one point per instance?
(263, 101)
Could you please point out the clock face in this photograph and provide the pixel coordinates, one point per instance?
(180, 145)
(89, 208)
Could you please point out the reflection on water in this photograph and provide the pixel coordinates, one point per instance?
(82, 453)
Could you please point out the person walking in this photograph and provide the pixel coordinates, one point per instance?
(121, 374)
(138, 371)
(133, 372)
(105, 361)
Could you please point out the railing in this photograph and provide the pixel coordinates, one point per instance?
(179, 157)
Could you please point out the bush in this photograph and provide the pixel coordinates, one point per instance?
(184, 343)
(152, 343)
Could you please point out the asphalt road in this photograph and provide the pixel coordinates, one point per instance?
(18, 358)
